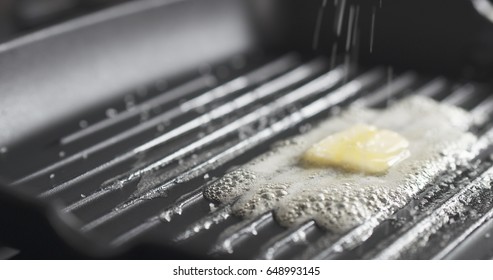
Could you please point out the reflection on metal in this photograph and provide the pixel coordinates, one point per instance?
(484, 7)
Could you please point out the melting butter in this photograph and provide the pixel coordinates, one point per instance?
(361, 148)
(437, 139)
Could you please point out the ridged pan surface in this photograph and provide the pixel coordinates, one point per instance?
(139, 174)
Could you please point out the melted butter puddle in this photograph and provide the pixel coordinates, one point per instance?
(339, 200)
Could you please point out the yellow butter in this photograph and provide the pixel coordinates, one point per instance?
(361, 148)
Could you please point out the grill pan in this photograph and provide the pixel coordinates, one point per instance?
(115, 122)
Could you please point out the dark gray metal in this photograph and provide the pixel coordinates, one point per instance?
(123, 188)
(60, 72)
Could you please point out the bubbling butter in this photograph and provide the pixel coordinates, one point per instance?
(432, 137)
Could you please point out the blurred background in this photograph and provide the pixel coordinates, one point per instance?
(18, 17)
(441, 36)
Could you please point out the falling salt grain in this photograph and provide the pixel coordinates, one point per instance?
(111, 112)
(83, 124)
(335, 110)
(144, 116)
(61, 154)
(3, 150)
(305, 128)
(372, 33)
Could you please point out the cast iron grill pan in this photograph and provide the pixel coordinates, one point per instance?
(128, 183)
(173, 151)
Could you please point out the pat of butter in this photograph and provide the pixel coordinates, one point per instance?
(361, 148)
